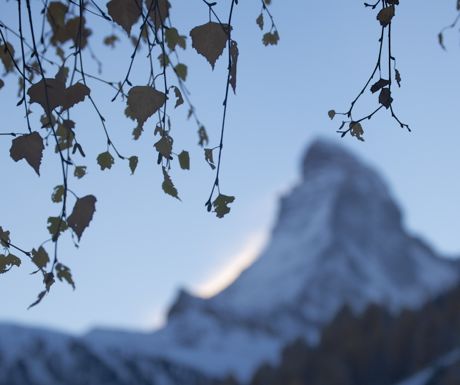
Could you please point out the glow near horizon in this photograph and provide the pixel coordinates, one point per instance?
(233, 266)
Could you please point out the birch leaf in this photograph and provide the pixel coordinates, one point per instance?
(209, 40)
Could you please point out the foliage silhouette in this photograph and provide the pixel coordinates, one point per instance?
(54, 37)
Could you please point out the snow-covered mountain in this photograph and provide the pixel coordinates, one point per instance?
(338, 240)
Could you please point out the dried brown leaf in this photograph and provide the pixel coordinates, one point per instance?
(48, 92)
(143, 102)
(82, 214)
(29, 147)
(74, 94)
(158, 11)
(125, 13)
(385, 97)
(233, 64)
(379, 85)
(386, 15)
(209, 40)
(6, 54)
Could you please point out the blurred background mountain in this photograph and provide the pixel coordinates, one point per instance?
(341, 294)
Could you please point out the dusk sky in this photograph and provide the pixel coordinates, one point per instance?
(142, 245)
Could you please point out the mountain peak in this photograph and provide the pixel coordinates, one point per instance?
(324, 153)
(338, 242)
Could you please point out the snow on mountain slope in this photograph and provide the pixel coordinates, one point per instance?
(33, 356)
(431, 375)
(338, 240)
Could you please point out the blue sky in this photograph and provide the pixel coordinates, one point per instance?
(142, 245)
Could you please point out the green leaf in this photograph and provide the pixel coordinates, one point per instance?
(56, 226)
(105, 160)
(58, 194)
(260, 21)
(65, 135)
(173, 38)
(181, 71)
(179, 98)
(184, 160)
(164, 146)
(80, 171)
(203, 136)
(221, 203)
(4, 237)
(48, 280)
(40, 257)
(163, 59)
(8, 261)
(270, 38)
(64, 274)
(331, 114)
(133, 160)
(357, 130)
(168, 186)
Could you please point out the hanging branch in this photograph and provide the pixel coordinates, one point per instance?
(40, 55)
(220, 203)
(382, 84)
(449, 27)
